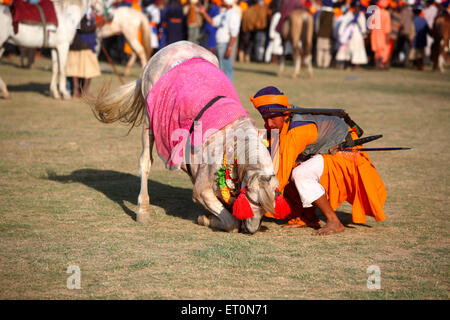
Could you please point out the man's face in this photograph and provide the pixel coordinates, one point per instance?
(274, 122)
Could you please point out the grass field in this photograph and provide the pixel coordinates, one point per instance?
(69, 187)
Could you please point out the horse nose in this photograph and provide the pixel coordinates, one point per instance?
(249, 230)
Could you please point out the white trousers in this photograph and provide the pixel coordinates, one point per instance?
(306, 177)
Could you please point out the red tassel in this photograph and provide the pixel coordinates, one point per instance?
(241, 207)
(282, 208)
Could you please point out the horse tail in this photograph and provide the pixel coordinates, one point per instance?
(145, 28)
(125, 104)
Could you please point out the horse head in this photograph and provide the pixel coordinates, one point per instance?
(261, 197)
(260, 184)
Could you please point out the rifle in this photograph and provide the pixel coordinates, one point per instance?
(327, 112)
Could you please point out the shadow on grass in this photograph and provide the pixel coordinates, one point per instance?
(42, 88)
(121, 187)
(344, 217)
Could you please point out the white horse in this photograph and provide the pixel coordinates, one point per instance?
(69, 14)
(128, 22)
(128, 104)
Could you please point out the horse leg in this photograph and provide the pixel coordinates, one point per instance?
(282, 60)
(53, 87)
(297, 62)
(441, 63)
(63, 51)
(307, 47)
(145, 163)
(3, 87)
(130, 64)
(296, 32)
(221, 218)
(137, 47)
(308, 62)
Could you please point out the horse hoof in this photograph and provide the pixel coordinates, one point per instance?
(143, 217)
(203, 221)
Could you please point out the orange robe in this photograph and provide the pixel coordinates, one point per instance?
(347, 176)
(378, 35)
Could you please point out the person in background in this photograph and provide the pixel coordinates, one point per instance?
(228, 25)
(430, 12)
(351, 36)
(154, 16)
(82, 61)
(173, 22)
(395, 30)
(380, 36)
(275, 47)
(193, 21)
(324, 28)
(406, 27)
(210, 30)
(419, 41)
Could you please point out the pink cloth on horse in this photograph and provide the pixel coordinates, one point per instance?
(176, 99)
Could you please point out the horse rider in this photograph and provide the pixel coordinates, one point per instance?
(322, 180)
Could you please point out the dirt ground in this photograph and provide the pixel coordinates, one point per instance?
(69, 187)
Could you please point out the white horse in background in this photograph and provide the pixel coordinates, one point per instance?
(69, 14)
(128, 22)
(128, 104)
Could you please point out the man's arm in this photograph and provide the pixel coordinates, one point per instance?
(295, 143)
(230, 47)
(205, 15)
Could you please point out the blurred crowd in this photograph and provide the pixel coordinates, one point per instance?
(347, 33)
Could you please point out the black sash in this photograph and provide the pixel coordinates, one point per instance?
(187, 147)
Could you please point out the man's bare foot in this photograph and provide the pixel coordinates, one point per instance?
(330, 228)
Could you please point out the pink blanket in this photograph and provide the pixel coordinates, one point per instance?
(176, 99)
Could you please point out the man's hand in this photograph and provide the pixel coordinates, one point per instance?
(201, 9)
(228, 52)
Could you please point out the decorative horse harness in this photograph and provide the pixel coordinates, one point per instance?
(235, 198)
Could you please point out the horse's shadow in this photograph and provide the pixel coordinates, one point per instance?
(124, 187)
(42, 88)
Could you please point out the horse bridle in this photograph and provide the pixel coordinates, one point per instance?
(256, 203)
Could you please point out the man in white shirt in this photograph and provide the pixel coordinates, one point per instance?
(228, 24)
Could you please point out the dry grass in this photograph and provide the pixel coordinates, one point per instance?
(69, 186)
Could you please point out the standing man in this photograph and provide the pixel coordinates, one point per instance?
(228, 24)
(322, 180)
(324, 28)
(380, 36)
(352, 31)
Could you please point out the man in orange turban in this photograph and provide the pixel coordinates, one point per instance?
(322, 180)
